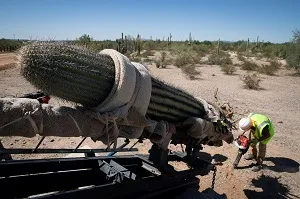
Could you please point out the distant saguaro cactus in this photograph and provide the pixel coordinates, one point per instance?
(218, 47)
(138, 44)
(247, 46)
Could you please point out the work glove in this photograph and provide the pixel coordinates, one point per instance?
(254, 142)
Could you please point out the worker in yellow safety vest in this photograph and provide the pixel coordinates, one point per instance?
(261, 131)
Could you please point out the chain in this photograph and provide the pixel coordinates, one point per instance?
(214, 178)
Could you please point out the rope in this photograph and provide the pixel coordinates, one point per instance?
(76, 124)
(27, 115)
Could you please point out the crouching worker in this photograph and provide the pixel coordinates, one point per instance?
(261, 131)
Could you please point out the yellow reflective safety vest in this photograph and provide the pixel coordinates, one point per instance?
(259, 122)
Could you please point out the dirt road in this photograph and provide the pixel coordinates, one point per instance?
(279, 98)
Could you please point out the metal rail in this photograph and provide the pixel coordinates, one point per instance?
(35, 151)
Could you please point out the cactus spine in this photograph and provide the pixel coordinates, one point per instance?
(85, 77)
(69, 72)
(172, 104)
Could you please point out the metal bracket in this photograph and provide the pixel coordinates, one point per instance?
(116, 171)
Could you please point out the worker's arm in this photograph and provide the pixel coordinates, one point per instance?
(242, 133)
(265, 134)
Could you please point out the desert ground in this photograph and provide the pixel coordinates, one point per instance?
(278, 98)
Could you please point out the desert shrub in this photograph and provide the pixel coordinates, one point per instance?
(293, 52)
(190, 71)
(259, 56)
(147, 60)
(240, 57)
(162, 60)
(200, 50)
(226, 60)
(228, 69)
(215, 59)
(149, 45)
(275, 50)
(227, 46)
(248, 65)
(157, 63)
(183, 59)
(163, 56)
(270, 69)
(135, 59)
(251, 81)
(147, 53)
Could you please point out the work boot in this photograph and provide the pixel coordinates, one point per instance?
(257, 168)
(250, 157)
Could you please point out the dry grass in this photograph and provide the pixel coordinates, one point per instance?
(270, 69)
(228, 69)
(251, 81)
(190, 71)
(7, 66)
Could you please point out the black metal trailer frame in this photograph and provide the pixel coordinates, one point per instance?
(134, 176)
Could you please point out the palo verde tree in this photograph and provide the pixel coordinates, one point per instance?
(293, 53)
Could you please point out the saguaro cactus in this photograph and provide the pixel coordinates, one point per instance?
(69, 72)
(138, 44)
(247, 46)
(218, 47)
(78, 75)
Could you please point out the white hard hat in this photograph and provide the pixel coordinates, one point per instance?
(245, 124)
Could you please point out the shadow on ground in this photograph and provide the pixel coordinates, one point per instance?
(218, 158)
(282, 164)
(271, 188)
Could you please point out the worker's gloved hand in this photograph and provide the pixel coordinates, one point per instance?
(254, 142)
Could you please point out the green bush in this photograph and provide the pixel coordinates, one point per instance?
(7, 45)
(275, 50)
(242, 46)
(293, 53)
(215, 59)
(200, 50)
(149, 45)
(248, 65)
(183, 59)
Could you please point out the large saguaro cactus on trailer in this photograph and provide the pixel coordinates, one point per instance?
(81, 76)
